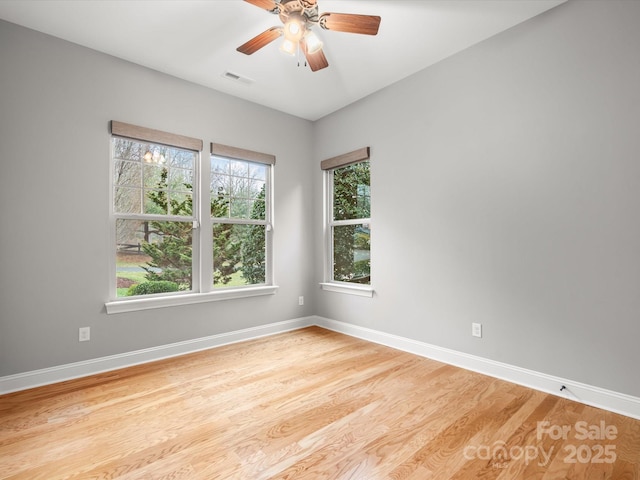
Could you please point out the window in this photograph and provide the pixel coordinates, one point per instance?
(168, 248)
(155, 211)
(240, 216)
(348, 215)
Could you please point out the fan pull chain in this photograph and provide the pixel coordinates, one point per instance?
(298, 52)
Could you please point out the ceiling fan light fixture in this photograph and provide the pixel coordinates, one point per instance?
(289, 47)
(293, 30)
(314, 44)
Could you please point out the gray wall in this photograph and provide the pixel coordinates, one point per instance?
(505, 191)
(56, 101)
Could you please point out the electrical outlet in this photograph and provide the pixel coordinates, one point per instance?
(476, 329)
(84, 334)
(300, 300)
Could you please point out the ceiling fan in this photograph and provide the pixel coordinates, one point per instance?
(298, 17)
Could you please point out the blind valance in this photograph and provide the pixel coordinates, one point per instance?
(135, 132)
(345, 159)
(241, 154)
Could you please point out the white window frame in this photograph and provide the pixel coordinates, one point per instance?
(233, 153)
(328, 166)
(202, 262)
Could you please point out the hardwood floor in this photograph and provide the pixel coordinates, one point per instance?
(309, 404)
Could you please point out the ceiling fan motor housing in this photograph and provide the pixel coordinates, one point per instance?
(304, 9)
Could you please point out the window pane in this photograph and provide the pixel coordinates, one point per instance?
(239, 255)
(181, 179)
(127, 200)
(351, 192)
(180, 203)
(256, 189)
(351, 253)
(219, 185)
(239, 168)
(127, 173)
(154, 175)
(220, 206)
(258, 171)
(128, 149)
(219, 166)
(241, 186)
(155, 202)
(258, 209)
(180, 158)
(155, 256)
(239, 208)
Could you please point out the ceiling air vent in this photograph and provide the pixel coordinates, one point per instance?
(237, 78)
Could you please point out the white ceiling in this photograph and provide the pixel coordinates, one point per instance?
(196, 40)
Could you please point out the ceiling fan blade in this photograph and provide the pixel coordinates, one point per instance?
(266, 4)
(317, 60)
(351, 23)
(259, 41)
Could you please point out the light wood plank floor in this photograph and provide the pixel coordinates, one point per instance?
(309, 404)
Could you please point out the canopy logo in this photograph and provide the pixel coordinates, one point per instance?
(500, 455)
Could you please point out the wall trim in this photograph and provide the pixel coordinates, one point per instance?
(620, 403)
(47, 376)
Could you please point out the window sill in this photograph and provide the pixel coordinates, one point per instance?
(349, 289)
(121, 306)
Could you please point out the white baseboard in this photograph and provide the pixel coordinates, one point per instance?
(580, 392)
(594, 396)
(47, 376)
